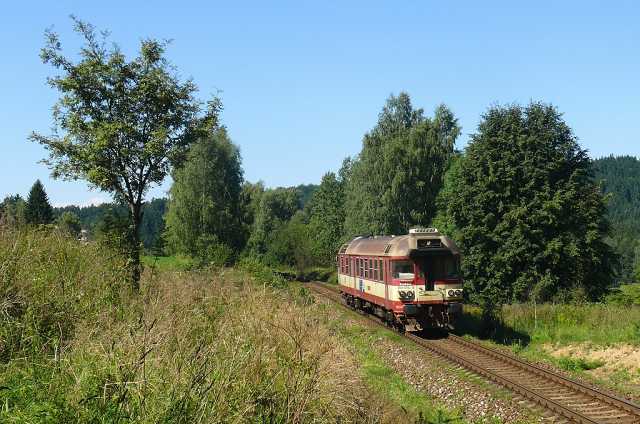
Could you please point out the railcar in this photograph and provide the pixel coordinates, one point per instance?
(412, 281)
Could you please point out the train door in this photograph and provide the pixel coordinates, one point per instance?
(353, 272)
(386, 279)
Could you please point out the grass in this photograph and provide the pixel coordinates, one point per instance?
(76, 345)
(597, 324)
(168, 263)
(545, 332)
(388, 383)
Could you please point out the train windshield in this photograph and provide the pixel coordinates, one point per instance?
(441, 267)
(403, 270)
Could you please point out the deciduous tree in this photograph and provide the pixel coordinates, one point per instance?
(205, 199)
(395, 179)
(120, 124)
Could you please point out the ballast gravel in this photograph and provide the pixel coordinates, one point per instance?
(448, 385)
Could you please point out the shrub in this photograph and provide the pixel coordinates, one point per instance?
(626, 294)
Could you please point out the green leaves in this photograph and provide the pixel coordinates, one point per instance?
(526, 210)
(204, 212)
(394, 181)
(121, 125)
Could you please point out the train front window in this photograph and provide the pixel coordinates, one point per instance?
(403, 270)
(442, 267)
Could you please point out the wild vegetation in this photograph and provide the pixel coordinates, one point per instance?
(79, 345)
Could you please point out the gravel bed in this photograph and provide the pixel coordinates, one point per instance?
(440, 381)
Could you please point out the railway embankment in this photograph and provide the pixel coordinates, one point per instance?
(598, 343)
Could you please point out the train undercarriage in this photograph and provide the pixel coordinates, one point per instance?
(414, 317)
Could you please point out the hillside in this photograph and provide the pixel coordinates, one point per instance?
(620, 176)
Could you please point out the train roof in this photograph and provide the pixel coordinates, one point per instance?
(419, 242)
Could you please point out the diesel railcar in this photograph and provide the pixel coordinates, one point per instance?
(412, 281)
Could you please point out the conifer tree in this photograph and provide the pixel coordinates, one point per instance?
(38, 209)
(529, 215)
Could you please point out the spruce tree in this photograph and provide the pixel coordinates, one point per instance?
(38, 209)
(529, 215)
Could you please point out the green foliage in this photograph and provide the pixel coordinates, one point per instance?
(114, 232)
(626, 294)
(393, 183)
(262, 273)
(276, 207)
(532, 325)
(291, 245)
(578, 364)
(120, 125)
(38, 210)
(529, 214)
(78, 348)
(69, 223)
(48, 283)
(151, 227)
(443, 221)
(12, 211)
(204, 214)
(169, 263)
(326, 212)
(621, 182)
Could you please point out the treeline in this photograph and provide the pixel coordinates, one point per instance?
(620, 178)
(521, 200)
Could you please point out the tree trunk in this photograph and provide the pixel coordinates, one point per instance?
(134, 251)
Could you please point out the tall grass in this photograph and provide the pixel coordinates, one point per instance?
(598, 324)
(77, 346)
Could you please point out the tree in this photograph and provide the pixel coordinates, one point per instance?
(69, 223)
(38, 210)
(291, 244)
(276, 208)
(529, 214)
(326, 211)
(205, 199)
(394, 181)
(12, 211)
(120, 125)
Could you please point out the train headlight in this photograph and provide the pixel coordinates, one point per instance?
(451, 293)
(458, 293)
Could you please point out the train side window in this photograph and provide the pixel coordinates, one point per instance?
(380, 270)
(375, 269)
(366, 268)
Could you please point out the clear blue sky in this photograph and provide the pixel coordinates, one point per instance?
(303, 81)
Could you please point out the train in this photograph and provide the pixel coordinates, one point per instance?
(412, 282)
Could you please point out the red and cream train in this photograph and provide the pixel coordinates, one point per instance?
(411, 281)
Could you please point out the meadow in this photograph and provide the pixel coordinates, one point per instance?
(214, 345)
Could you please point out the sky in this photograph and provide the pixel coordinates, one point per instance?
(302, 82)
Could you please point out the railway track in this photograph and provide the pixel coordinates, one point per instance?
(567, 399)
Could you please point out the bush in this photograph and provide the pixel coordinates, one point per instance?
(261, 272)
(626, 295)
